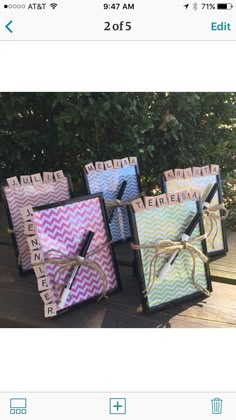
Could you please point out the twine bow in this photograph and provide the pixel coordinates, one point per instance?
(210, 214)
(117, 203)
(121, 203)
(169, 247)
(71, 261)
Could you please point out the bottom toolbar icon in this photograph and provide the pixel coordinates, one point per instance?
(18, 406)
(216, 406)
(117, 405)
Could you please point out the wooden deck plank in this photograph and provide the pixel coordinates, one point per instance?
(225, 268)
(21, 306)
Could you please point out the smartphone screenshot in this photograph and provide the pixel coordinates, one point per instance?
(117, 210)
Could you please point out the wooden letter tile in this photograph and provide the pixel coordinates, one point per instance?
(36, 178)
(36, 257)
(29, 228)
(39, 271)
(89, 168)
(50, 310)
(215, 169)
(169, 175)
(33, 243)
(47, 177)
(117, 163)
(59, 175)
(183, 196)
(206, 170)
(99, 166)
(161, 200)
(179, 173)
(27, 213)
(125, 162)
(138, 205)
(46, 296)
(13, 182)
(194, 195)
(133, 161)
(25, 179)
(172, 198)
(197, 171)
(108, 164)
(150, 202)
(43, 284)
(188, 173)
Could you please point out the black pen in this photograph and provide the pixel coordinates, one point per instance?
(210, 196)
(70, 281)
(185, 237)
(118, 197)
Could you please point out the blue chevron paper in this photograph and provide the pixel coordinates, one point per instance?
(108, 182)
(204, 184)
(160, 224)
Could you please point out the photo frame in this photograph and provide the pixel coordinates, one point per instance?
(62, 229)
(49, 189)
(201, 178)
(107, 177)
(150, 225)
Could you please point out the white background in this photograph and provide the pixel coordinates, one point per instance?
(123, 360)
(118, 66)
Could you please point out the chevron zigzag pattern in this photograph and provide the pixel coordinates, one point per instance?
(108, 182)
(64, 228)
(204, 184)
(169, 223)
(34, 195)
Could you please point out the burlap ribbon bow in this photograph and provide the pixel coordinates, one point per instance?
(213, 217)
(117, 203)
(168, 247)
(71, 261)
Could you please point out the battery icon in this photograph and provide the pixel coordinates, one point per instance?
(224, 6)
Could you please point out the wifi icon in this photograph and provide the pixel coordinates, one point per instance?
(53, 5)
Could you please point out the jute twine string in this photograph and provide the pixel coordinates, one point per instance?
(120, 203)
(169, 247)
(210, 214)
(10, 231)
(71, 261)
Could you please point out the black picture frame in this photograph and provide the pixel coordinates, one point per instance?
(212, 255)
(11, 227)
(140, 274)
(87, 187)
(109, 238)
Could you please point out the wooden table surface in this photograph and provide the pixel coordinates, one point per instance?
(21, 305)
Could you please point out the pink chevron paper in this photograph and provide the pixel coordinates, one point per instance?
(64, 228)
(34, 195)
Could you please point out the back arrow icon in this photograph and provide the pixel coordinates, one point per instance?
(8, 26)
(186, 5)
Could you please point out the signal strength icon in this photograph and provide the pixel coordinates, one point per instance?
(53, 5)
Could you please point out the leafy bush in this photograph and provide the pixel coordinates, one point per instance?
(49, 131)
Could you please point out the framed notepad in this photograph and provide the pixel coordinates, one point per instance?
(154, 221)
(62, 229)
(108, 178)
(29, 191)
(202, 179)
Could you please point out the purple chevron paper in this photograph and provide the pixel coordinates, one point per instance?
(108, 182)
(34, 195)
(64, 228)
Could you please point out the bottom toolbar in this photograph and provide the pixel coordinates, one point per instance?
(136, 406)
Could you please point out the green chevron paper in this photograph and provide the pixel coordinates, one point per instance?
(159, 224)
(204, 184)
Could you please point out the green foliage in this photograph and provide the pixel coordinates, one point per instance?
(50, 131)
